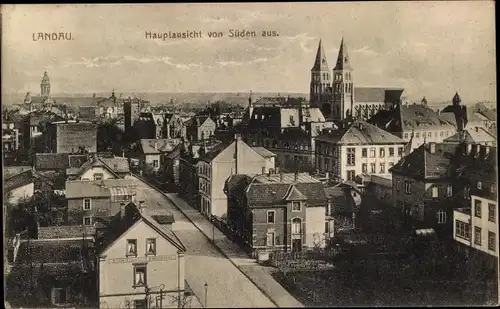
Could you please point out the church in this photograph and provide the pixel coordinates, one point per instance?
(334, 93)
(44, 100)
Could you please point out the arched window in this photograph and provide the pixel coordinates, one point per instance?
(296, 226)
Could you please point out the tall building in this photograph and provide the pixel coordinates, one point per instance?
(45, 85)
(338, 97)
(42, 101)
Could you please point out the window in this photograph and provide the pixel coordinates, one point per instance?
(372, 167)
(270, 239)
(491, 212)
(296, 206)
(140, 304)
(391, 164)
(441, 216)
(446, 133)
(441, 134)
(87, 205)
(364, 167)
(491, 241)
(417, 135)
(449, 190)
(151, 246)
(87, 220)
(270, 216)
(351, 154)
(350, 175)
(59, 296)
(407, 187)
(382, 168)
(435, 191)
(406, 135)
(477, 235)
(372, 152)
(400, 151)
(364, 153)
(155, 163)
(296, 226)
(391, 152)
(131, 247)
(462, 229)
(477, 208)
(429, 134)
(140, 275)
(467, 192)
(479, 185)
(493, 188)
(327, 227)
(98, 176)
(382, 152)
(398, 183)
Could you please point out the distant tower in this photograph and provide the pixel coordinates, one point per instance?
(342, 86)
(45, 85)
(250, 105)
(424, 101)
(456, 99)
(320, 79)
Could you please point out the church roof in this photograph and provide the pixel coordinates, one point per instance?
(377, 94)
(320, 64)
(343, 60)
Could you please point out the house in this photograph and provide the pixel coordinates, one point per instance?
(287, 127)
(69, 135)
(429, 184)
(89, 200)
(277, 211)
(357, 148)
(379, 187)
(53, 273)
(100, 167)
(199, 127)
(216, 165)
(132, 108)
(476, 135)
(475, 226)
(54, 166)
(172, 164)
(343, 208)
(173, 126)
(153, 151)
(18, 187)
(140, 263)
(417, 121)
(33, 126)
(144, 126)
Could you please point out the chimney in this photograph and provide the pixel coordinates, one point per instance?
(432, 147)
(263, 170)
(237, 139)
(296, 176)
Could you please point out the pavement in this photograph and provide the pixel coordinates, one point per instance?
(227, 285)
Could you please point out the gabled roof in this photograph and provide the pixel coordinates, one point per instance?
(95, 161)
(197, 120)
(117, 164)
(215, 151)
(294, 194)
(50, 251)
(9, 171)
(360, 133)
(320, 64)
(18, 180)
(65, 231)
(489, 114)
(119, 225)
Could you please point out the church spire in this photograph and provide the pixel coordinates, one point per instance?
(343, 60)
(320, 64)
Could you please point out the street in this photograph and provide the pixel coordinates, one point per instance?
(227, 286)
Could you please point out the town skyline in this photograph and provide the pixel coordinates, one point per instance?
(449, 48)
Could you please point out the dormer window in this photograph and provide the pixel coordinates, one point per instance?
(479, 185)
(296, 206)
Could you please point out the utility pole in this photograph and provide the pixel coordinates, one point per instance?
(206, 293)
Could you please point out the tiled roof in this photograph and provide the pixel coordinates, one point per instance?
(65, 231)
(38, 117)
(320, 62)
(312, 114)
(117, 164)
(197, 120)
(50, 251)
(18, 180)
(264, 152)
(98, 188)
(215, 151)
(164, 219)
(9, 171)
(294, 194)
(360, 133)
(51, 161)
(489, 114)
(365, 94)
(162, 145)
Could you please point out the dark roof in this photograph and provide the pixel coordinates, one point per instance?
(489, 114)
(320, 63)
(18, 180)
(51, 161)
(164, 219)
(76, 189)
(360, 132)
(65, 231)
(258, 193)
(50, 251)
(162, 145)
(38, 117)
(215, 151)
(472, 136)
(9, 171)
(117, 164)
(377, 94)
(343, 60)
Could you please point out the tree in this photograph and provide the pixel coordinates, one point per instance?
(182, 301)
(110, 137)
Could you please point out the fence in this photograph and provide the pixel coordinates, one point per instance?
(303, 259)
(231, 234)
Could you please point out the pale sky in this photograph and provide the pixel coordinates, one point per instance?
(431, 49)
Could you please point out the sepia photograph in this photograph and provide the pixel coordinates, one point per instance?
(246, 155)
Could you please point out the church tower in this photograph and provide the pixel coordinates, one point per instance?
(342, 86)
(320, 79)
(45, 85)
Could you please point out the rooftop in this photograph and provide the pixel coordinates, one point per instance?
(155, 146)
(285, 178)
(264, 152)
(99, 188)
(63, 231)
(359, 133)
